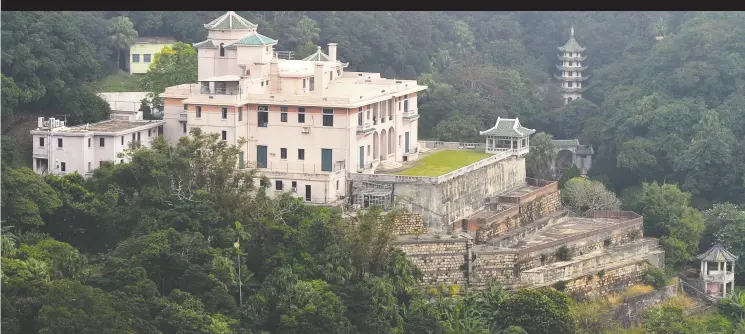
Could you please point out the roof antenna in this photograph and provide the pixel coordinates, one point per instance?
(571, 31)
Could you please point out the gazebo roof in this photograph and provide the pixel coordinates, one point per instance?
(230, 21)
(318, 56)
(506, 127)
(717, 253)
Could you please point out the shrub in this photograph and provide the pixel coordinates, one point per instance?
(655, 277)
(564, 253)
(607, 242)
(560, 285)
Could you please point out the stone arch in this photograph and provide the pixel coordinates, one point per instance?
(383, 145)
(376, 142)
(391, 140)
(564, 159)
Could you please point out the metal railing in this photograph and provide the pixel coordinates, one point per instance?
(294, 167)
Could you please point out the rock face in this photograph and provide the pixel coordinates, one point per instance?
(524, 239)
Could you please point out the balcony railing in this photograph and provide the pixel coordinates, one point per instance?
(220, 90)
(367, 127)
(722, 277)
(572, 89)
(294, 167)
(516, 151)
(571, 68)
(410, 115)
(571, 78)
(572, 58)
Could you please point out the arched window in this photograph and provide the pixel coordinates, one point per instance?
(222, 50)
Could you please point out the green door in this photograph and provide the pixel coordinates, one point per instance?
(261, 156)
(326, 164)
(362, 157)
(406, 142)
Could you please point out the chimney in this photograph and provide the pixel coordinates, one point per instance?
(40, 122)
(274, 76)
(318, 86)
(332, 51)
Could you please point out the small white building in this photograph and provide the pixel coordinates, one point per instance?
(718, 271)
(59, 149)
(127, 102)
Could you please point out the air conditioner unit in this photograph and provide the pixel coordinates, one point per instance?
(306, 129)
(294, 189)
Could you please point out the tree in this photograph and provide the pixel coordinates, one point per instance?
(71, 307)
(304, 31)
(122, 33)
(582, 195)
(567, 174)
(542, 310)
(541, 156)
(26, 198)
(174, 65)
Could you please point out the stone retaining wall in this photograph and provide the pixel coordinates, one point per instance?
(409, 224)
(536, 205)
(629, 313)
(611, 280)
(441, 261)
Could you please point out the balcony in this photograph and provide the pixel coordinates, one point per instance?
(410, 115)
(568, 78)
(366, 128)
(183, 116)
(573, 89)
(572, 58)
(571, 68)
(516, 151)
(294, 167)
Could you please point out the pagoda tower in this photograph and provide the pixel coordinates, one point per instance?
(572, 56)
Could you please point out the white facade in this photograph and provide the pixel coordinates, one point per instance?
(60, 150)
(307, 123)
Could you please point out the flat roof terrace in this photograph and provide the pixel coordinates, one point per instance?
(437, 163)
(107, 126)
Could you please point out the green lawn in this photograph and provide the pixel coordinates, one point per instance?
(443, 162)
(119, 82)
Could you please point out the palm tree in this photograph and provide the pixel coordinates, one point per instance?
(9, 240)
(122, 33)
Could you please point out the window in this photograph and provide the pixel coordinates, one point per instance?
(224, 113)
(224, 135)
(241, 162)
(301, 154)
(312, 84)
(569, 84)
(368, 150)
(89, 166)
(149, 133)
(138, 137)
(186, 107)
(406, 105)
(294, 185)
(283, 109)
(301, 115)
(146, 58)
(134, 136)
(122, 140)
(41, 141)
(184, 124)
(240, 114)
(222, 49)
(135, 58)
(331, 75)
(59, 142)
(262, 84)
(337, 184)
(278, 185)
(89, 142)
(62, 166)
(304, 83)
(121, 161)
(199, 111)
(283, 117)
(102, 142)
(359, 119)
(263, 119)
(328, 117)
